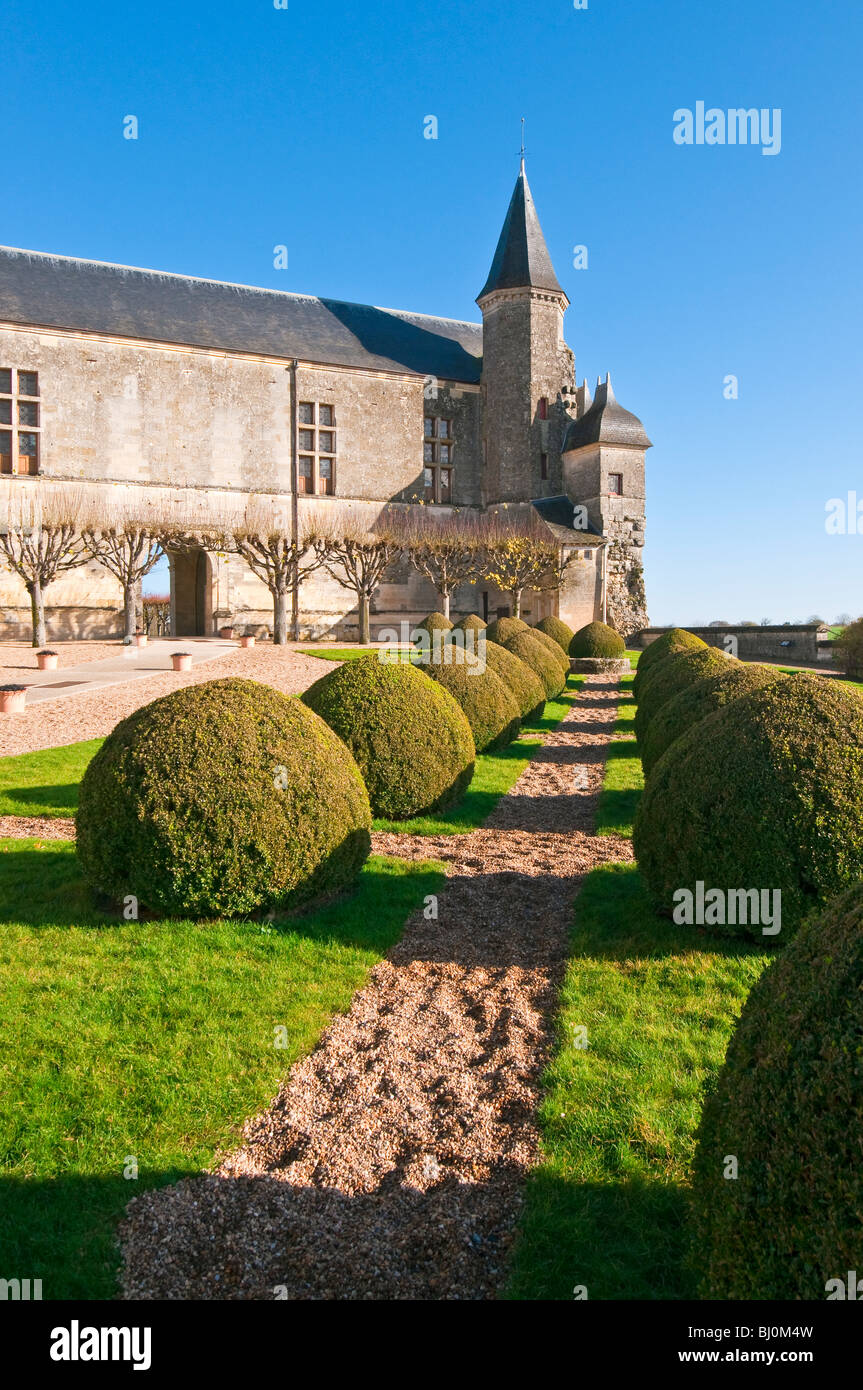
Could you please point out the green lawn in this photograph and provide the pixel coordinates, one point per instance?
(623, 781)
(44, 783)
(606, 1208)
(150, 1039)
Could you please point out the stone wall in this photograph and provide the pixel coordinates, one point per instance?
(788, 645)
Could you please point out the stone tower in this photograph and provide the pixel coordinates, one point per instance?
(527, 369)
(603, 471)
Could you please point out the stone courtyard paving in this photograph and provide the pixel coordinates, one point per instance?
(391, 1164)
(93, 714)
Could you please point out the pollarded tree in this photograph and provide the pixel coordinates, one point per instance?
(281, 561)
(446, 550)
(40, 540)
(520, 554)
(129, 548)
(357, 555)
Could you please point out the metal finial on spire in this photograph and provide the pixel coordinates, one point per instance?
(522, 144)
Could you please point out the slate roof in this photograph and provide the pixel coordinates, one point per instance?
(123, 301)
(606, 422)
(521, 258)
(557, 513)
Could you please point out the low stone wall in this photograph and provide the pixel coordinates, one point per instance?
(795, 646)
(600, 665)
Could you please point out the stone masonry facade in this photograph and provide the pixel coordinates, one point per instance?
(189, 395)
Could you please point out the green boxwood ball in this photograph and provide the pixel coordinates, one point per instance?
(525, 646)
(435, 622)
(503, 628)
(695, 702)
(788, 1104)
(597, 639)
(220, 799)
(668, 678)
(766, 793)
(409, 736)
(677, 639)
(488, 705)
(525, 684)
(558, 630)
(553, 648)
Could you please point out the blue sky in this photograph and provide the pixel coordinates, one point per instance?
(304, 127)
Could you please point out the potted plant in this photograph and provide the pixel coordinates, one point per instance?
(47, 660)
(12, 698)
(182, 661)
(247, 640)
(140, 639)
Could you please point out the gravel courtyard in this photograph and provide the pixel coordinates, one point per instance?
(71, 718)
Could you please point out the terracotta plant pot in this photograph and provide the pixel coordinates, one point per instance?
(47, 661)
(182, 661)
(226, 633)
(247, 641)
(12, 699)
(140, 639)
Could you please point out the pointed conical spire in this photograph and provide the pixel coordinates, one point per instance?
(521, 259)
(583, 399)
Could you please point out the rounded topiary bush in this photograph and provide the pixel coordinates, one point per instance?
(525, 646)
(597, 639)
(554, 650)
(668, 678)
(435, 622)
(559, 631)
(677, 639)
(525, 684)
(471, 623)
(409, 736)
(788, 1104)
(488, 705)
(220, 799)
(766, 793)
(503, 628)
(697, 701)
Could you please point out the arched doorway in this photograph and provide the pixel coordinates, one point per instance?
(190, 593)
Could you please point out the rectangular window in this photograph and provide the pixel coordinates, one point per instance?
(19, 450)
(446, 485)
(615, 484)
(437, 449)
(543, 407)
(543, 465)
(317, 467)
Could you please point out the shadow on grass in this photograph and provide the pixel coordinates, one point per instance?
(62, 1230)
(48, 800)
(622, 1240)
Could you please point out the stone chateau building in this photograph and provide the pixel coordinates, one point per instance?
(196, 395)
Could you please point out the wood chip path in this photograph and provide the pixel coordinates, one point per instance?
(391, 1164)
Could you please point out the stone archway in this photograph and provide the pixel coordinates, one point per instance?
(191, 604)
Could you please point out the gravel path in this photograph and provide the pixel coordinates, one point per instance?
(52, 723)
(392, 1162)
